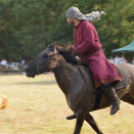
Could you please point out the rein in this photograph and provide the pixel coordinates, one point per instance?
(49, 60)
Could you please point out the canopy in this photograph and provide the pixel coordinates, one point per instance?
(128, 48)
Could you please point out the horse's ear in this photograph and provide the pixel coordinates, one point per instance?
(54, 46)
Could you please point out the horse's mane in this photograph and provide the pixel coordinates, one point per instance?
(68, 55)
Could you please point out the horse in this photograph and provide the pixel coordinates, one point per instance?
(64, 64)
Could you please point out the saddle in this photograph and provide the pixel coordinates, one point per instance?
(86, 73)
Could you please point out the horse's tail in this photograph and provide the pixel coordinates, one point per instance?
(3, 102)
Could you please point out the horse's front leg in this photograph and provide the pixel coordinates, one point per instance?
(93, 124)
(80, 116)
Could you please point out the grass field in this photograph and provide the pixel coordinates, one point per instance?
(37, 106)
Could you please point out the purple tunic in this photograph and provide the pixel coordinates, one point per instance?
(86, 40)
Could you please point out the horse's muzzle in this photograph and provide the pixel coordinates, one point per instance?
(29, 73)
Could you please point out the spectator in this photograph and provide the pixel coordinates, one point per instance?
(116, 59)
(133, 61)
(4, 66)
(21, 64)
(111, 60)
(122, 59)
(3, 63)
(20, 60)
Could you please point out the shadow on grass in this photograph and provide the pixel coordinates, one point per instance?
(38, 83)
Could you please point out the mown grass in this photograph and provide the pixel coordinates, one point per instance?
(37, 106)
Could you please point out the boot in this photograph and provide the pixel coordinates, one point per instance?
(113, 97)
(71, 117)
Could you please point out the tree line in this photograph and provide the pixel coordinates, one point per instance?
(27, 27)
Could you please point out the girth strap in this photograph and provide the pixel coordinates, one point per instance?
(85, 77)
(98, 98)
(98, 91)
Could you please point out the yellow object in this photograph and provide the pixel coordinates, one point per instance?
(3, 102)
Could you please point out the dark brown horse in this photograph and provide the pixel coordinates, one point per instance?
(65, 67)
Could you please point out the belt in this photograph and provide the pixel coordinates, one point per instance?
(90, 53)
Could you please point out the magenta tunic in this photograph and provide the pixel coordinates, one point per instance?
(86, 40)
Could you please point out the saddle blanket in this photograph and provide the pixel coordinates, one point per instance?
(86, 73)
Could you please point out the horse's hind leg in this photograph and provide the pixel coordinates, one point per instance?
(93, 124)
(79, 122)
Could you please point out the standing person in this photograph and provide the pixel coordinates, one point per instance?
(122, 59)
(87, 44)
(111, 59)
(133, 61)
(20, 64)
(116, 59)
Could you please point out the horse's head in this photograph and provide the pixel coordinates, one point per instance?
(46, 61)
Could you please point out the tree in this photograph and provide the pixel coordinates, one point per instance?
(27, 27)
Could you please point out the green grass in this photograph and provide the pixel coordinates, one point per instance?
(38, 106)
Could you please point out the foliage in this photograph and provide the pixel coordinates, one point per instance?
(27, 27)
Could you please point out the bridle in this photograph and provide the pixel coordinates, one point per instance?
(49, 60)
